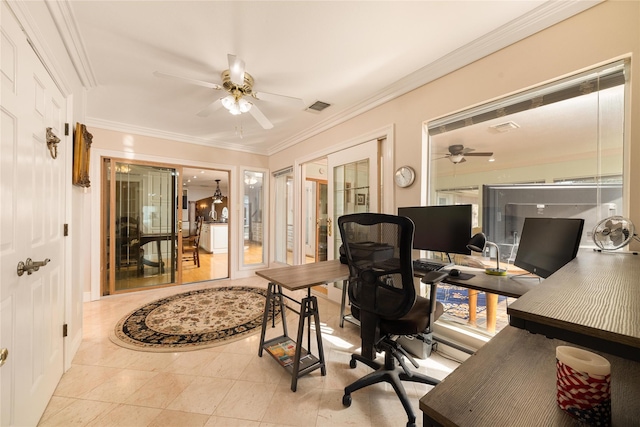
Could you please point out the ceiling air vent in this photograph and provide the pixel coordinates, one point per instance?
(318, 106)
(504, 127)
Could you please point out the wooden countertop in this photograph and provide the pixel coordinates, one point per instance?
(511, 381)
(594, 300)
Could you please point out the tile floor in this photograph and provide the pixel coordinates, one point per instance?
(228, 385)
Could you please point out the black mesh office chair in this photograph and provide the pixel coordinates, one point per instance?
(378, 248)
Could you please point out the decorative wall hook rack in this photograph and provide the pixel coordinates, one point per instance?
(52, 143)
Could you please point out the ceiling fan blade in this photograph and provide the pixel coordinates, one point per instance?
(266, 96)
(214, 106)
(236, 69)
(260, 118)
(486, 154)
(187, 79)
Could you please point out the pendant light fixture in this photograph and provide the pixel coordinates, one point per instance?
(217, 196)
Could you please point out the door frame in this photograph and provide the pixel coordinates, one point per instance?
(386, 134)
(97, 155)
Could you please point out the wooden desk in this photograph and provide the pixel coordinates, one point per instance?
(511, 381)
(295, 278)
(592, 301)
(493, 286)
(513, 287)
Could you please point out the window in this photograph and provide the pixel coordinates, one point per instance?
(554, 151)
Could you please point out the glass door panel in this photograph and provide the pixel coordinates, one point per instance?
(353, 187)
(323, 215)
(253, 216)
(283, 221)
(141, 226)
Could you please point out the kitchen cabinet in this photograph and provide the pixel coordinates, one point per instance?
(215, 237)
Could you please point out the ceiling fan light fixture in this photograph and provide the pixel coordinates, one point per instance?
(228, 101)
(244, 105)
(236, 106)
(456, 158)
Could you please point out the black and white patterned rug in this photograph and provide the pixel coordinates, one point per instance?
(193, 320)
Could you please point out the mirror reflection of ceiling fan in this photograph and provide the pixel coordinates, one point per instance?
(241, 96)
(458, 152)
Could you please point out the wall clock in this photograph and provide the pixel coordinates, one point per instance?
(405, 175)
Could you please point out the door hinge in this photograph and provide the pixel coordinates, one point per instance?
(66, 230)
(66, 129)
(64, 330)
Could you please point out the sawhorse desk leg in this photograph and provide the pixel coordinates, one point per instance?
(308, 308)
(274, 292)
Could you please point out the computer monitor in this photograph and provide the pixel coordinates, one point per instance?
(440, 228)
(546, 244)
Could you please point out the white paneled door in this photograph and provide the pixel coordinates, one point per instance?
(32, 220)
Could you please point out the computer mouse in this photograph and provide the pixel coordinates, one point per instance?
(454, 272)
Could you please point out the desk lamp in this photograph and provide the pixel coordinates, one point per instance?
(477, 244)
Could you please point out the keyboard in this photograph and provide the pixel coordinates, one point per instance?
(427, 265)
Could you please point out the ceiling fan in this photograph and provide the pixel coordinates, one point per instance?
(239, 86)
(458, 152)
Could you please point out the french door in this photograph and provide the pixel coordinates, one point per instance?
(353, 187)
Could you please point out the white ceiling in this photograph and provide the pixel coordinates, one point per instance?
(353, 55)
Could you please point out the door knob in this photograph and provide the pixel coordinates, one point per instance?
(30, 266)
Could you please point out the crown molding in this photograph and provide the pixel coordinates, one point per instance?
(62, 15)
(172, 136)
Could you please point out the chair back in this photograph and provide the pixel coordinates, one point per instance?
(378, 251)
(196, 239)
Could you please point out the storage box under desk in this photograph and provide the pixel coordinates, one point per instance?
(287, 358)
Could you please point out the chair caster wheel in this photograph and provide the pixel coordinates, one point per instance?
(346, 400)
(410, 424)
(352, 364)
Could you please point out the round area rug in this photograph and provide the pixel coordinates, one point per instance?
(193, 320)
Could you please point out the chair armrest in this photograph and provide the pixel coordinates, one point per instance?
(432, 279)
